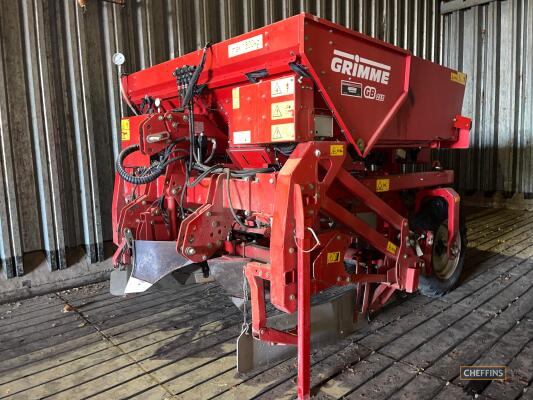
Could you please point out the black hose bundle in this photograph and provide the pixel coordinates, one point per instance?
(150, 173)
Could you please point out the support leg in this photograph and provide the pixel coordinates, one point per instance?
(304, 301)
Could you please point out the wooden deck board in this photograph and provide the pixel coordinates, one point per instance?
(181, 345)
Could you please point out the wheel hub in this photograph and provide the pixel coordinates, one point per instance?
(444, 264)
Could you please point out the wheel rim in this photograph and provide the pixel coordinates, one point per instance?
(444, 265)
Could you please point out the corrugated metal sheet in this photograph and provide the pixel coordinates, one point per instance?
(60, 106)
(493, 44)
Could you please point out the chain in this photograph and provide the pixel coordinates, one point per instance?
(244, 328)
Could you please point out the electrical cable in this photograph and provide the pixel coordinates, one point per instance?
(124, 97)
(157, 167)
(230, 204)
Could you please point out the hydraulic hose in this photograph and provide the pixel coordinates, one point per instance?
(136, 180)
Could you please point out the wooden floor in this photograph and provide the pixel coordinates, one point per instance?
(181, 345)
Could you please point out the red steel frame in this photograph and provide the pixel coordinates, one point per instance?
(317, 180)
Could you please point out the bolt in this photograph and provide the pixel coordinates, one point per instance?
(174, 191)
(214, 224)
(174, 124)
(262, 331)
(271, 180)
(219, 243)
(292, 297)
(160, 118)
(291, 250)
(209, 213)
(190, 251)
(338, 237)
(347, 279)
(143, 202)
(317, 153)
(339, 278)
(267, 275)
(204, 257)
(405, 256)
(311, 186)
(209, 245)
(247, 213)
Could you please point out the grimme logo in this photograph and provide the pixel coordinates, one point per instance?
(359, 67)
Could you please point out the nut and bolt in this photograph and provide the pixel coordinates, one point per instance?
(209, 213)
(271, 180)
(292, 297)
(160, 118)
(204, 257)
(317, 153)
(190, 251)
(291, 250)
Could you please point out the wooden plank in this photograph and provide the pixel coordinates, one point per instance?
(427, 353)
(326, 362)
(355, 376)
(385, 384)
(422, 387)
(501, 353)
(468, 351)
(520, 374)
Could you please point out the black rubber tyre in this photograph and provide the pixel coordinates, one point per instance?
(446, 271)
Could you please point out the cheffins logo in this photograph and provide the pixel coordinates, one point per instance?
(359, 67)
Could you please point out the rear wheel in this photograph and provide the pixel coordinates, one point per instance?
(446, 268)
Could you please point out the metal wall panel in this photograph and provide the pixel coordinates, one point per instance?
(60, 107)
(493, 44)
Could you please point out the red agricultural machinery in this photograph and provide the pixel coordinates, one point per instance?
(288, 163)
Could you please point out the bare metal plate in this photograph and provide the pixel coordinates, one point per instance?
(330, 321)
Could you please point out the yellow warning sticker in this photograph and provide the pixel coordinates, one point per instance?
(382, 185)
(336, 150)
(282, 110)
(391, 248)
(334, 257)
(458, 77)
(125, 129)
(235, 97)
(282, 87)
(282, 132)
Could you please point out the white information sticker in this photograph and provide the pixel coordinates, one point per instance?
(242, 137)
(282, 87)
(245, 46)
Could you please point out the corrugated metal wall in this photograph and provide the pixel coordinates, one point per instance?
(493, 44)
(59, 109)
